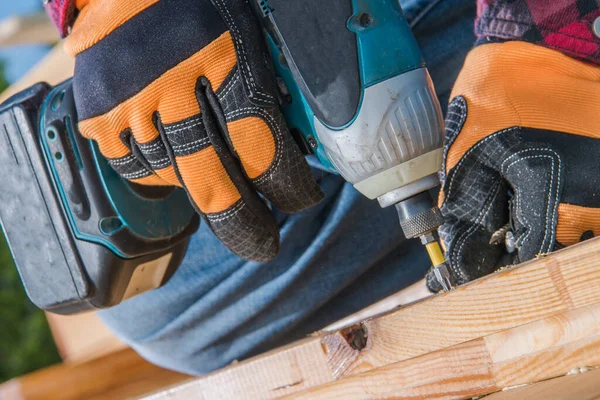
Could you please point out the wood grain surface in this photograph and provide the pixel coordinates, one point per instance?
(120, 375)
(82, 337)
(566, 280)
(579, 386)
(526, 354)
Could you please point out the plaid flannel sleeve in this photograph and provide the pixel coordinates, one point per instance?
(62, 14)
(564, 25)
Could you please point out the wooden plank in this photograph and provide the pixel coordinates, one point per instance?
(28, 29)
(415, 292)
(580, 386)
(117, 376)
(82, 337)
(526, 354)
(303, 365)
(566, 280)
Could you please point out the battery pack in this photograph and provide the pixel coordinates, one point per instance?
(82, 237)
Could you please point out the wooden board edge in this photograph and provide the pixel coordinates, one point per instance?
(526, 354)
(539, 289)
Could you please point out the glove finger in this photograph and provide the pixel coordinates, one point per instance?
(216, 186)
(121, 156)
(474, 209)
(242, 222)
(534, 172)
(253, 225)
(475, 201)
(579, 207)
(273, 162)
(576, 223)
(251, 121)
(477, 204)
(270, 158)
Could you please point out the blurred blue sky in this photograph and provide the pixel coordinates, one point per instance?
(18, 59)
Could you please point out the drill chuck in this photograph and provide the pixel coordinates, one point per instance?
(418, 215)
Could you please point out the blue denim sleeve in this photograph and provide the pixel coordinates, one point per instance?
(335, 258)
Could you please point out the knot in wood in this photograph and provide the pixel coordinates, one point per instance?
(356, 336)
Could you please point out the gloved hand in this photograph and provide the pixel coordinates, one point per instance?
(522, 152)
(181, 92)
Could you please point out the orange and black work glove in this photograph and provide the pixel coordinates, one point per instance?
(522, 158)
(181, 92)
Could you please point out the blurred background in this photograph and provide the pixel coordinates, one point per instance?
(26, 343)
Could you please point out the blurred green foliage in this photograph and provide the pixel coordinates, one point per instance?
(26, 343)
(3, 82)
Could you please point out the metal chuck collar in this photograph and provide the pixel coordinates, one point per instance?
(420, 217)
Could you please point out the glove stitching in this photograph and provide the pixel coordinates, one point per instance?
(471, 231)
(455, 113)
(522, 239)
(464, 157)
(122, 161)
(161, 163)
(135, 175)
(115, 165)
(150, 147)
(196, 144)
(549, 199)
(227, 214)
(153, 148)
(230, 86)
(192, 145)
(279, 137)
(158, 149)
(461, 104)
(251, 82)
(138, 172)
(170, 130)
(504, 171)
(195, 119)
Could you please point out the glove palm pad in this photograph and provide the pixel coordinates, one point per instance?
(180, 92)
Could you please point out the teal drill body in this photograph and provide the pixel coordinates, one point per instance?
(355, 87)
(386, 48)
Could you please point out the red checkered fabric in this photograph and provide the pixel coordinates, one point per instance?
(564, 25)
(62, 13)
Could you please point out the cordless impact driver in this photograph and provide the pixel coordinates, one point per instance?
(355, 86)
